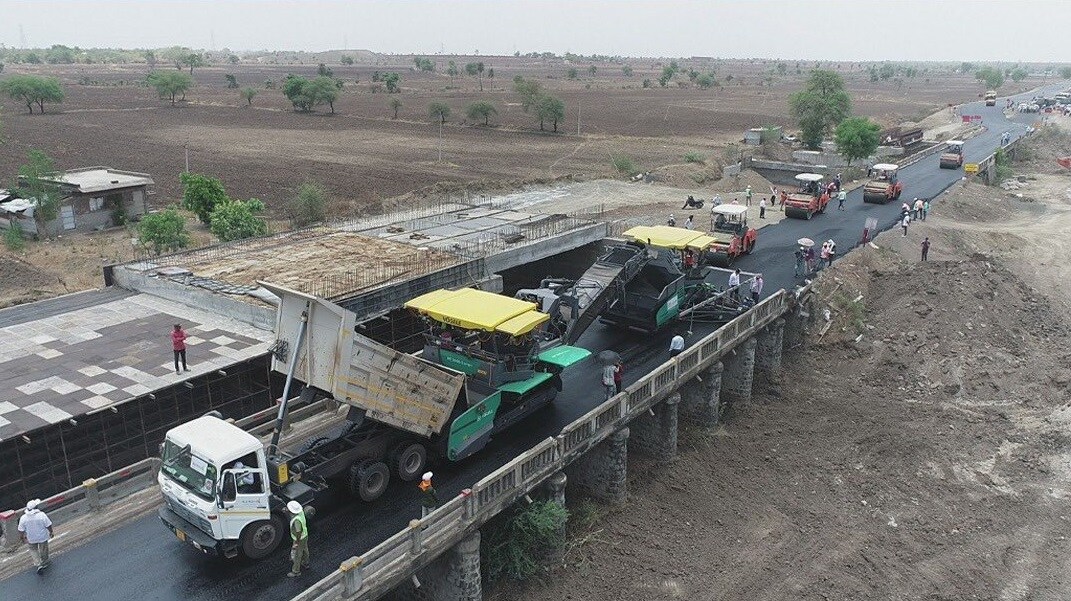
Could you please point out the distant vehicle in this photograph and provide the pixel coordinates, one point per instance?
(811, 197)
(901, 137)
(791, 139)
(952, 157)
(731, 234)
(991, 98)
(884, 186)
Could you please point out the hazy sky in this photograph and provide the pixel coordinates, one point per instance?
(976, 30)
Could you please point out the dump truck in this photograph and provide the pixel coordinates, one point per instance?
(488, 362)
(810, 198)
(991, 98)
(901, 136)
(952, 157)
(884, 185)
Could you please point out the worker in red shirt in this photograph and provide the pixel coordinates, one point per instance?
(178, 344)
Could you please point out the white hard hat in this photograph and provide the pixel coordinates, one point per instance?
(293, 507)
(426, 477)
(32, 504)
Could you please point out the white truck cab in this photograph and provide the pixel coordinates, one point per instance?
(217, 497)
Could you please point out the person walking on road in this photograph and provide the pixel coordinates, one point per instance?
(608, 385)
(841, 197)
(35, 529)
(178, 344)
(925, 208)
(428, 499)
(926, 249)
(676, 345)
(762, 208)
(756, 288)
(299, 532)
(905, 222)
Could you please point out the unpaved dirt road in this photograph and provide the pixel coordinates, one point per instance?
(930, 460)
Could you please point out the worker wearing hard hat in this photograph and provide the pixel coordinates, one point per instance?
(428, 499)
(299, 531)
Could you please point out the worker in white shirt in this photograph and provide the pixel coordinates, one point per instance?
(676, 345)
(35, 529)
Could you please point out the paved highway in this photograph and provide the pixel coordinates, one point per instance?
(142, 560)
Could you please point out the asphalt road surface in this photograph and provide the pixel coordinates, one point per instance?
(143, 560)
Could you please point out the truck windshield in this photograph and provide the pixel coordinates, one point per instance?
(193, 473)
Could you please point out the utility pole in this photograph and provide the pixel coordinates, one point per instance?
(440, 139)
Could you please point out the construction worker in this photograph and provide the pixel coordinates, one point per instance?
(35, 529)
(671, 221)
(299, 531)
(428, 499)
(842, 195)
(748, 192)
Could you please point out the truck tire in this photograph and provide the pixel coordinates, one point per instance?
(260, 539)
(369, 479)
(408, 460)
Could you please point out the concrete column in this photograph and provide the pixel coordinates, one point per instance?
(768, 349)
(703, 406)
(453, 576)
(656, 435)
(739, 374)
(602, 472)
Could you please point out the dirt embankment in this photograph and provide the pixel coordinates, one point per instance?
(928, 460)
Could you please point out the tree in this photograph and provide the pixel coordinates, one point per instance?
(34, 185)
(391, 80)
(439, 110)
(192, 60)
(704, 81)
(309, 205)
(232, 81)
(572, 73)
(993, 78)
(395, 104)
(481, 110)
(322, 90)
(1018, 74)
(324, 71)
(150, 59)
(593, 70)
(491, 78)
(475, 70)
(452, 70)
(31, 90)
(550, 109)
(529, 90)
(1065, 72)
(170, 83)
(294, 90)
(163, 231)
(233, 59)
(667, 75)
(237, 220)
(424, 63)
(201, 194)
(966, 67)
(857, 138)
(626, 71)
(820, 106)
(59, 54)
(346, 59)
(248, 94)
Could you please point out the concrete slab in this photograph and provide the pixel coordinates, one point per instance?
(107, 347)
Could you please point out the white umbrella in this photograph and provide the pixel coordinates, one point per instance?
(805, 242)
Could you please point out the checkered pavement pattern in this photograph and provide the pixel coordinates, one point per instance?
(62, 366)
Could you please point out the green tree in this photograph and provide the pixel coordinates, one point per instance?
(13, 237)
(392, 80)
(322, 90)
(1065, 72)
(150, 59)
(232, 81)
(820, 106)
(395, 104)
(1018, 74)
(481, 110)
(192, 60)
(993, 78)
(857, 138)
(491, 78)
(593, 70)
(237, 219)
(475, 70)
(31, 90)
(324, 71)
(233, 59)
(346, 59)
(704, 81)
(572, 73)
(59, 54)
(170, 83)
(667, 76)
(34, 184)
(452, 70)
(550, 109)
(886, 71)
(966, 67)
(424, 64)
(439, 111)
(163, 231)
(626, 71)
(201, 194)
(309, 205)
(247, 94)
(529, 90)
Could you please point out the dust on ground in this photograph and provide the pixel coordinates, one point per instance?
(928, 460)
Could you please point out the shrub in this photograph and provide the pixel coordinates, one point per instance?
(237, 219)
(518, 543)
(201, 194)
(694, 157)
(13, 239)
(163, 231)
(309, 206)
(624, 165)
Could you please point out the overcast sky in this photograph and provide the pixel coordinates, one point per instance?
(861, 30)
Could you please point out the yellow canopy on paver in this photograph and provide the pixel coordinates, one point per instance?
(664, 236)
(479, 310)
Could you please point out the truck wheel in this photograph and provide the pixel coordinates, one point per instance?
(260, 539)
(408, 460)
(369, 479)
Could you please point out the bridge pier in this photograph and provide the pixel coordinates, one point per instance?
(739, 374)
(656, 435)
(602, 472)
(453, 576)
(768, 350)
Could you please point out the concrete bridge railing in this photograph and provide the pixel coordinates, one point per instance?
(396, 559)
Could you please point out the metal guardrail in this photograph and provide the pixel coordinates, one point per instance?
(384, 566)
